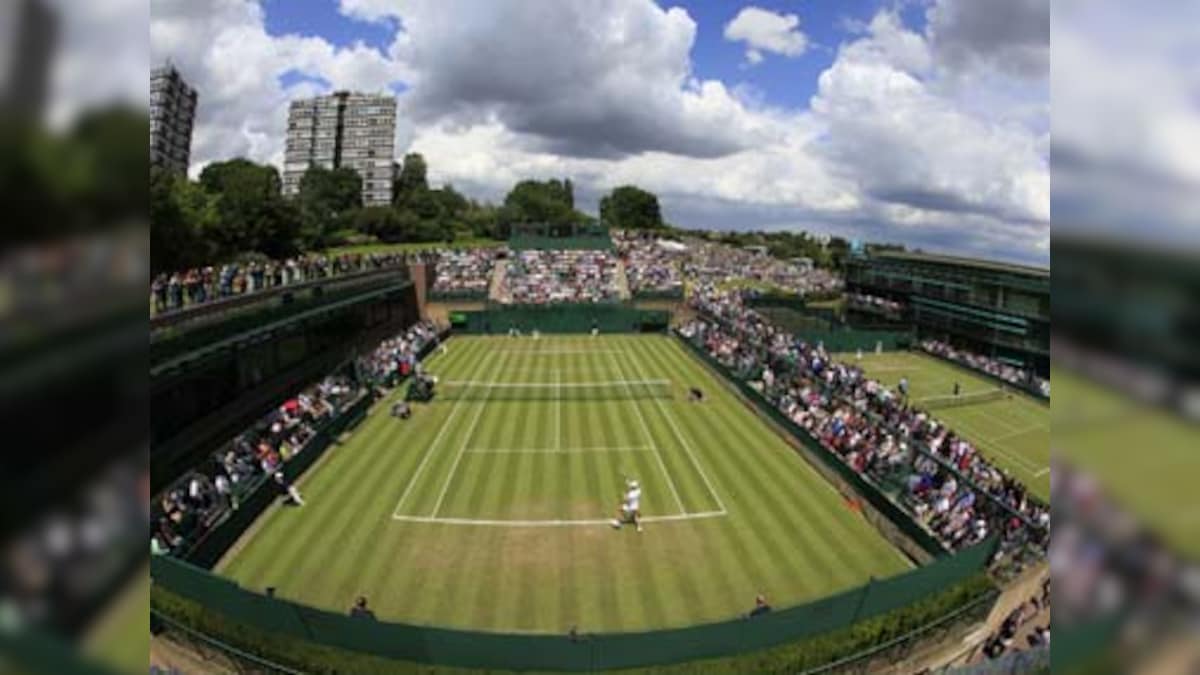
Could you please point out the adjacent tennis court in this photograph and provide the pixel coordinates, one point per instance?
(1010, 428)
(1143, 456)
(490, 507)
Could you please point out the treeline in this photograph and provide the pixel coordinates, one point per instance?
(237, 208)
(785, 245)
(77, 181)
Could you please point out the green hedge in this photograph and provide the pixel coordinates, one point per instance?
(970, 600)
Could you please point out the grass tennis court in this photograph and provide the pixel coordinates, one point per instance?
(1146, 458)
(488, 509)
(1014, 431)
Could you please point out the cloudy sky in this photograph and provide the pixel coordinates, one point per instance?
(926, 123)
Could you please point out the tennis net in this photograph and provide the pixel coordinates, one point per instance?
(951, 401)
(472, 390)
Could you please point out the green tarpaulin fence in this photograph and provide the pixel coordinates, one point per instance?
(560, 318)
(471, 649)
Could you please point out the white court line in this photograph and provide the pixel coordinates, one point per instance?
(553, 352)
(1018, 432)
(461, 451)
(1041, 473)
(557, 451)
(484, 522)
(686, 447)
(428, 453)
(646, 431)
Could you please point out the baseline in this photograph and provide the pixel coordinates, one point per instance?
(590, 522)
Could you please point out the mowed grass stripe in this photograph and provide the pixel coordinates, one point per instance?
(677, 443)
(426, 485)
(359, 535)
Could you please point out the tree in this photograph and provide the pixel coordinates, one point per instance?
(253, 215)
(453, 204)
(181, 213)
(631, 208)
(532, 201)
(411, 180)
(326, 198)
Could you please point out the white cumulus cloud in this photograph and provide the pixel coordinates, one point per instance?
(766, 31)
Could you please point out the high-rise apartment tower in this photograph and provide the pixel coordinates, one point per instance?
(172, 117)
(344, 129)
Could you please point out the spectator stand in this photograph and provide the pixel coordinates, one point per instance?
(854, 418)
(204, 512)
(464, 274)
(200, 515)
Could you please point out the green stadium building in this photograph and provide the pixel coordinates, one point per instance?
(993, 308)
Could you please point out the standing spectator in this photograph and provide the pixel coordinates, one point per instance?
(289, 488)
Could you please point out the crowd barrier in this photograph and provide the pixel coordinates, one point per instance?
(884, 505)
(583, 652)
(560, 318)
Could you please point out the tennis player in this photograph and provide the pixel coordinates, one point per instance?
(630, 509)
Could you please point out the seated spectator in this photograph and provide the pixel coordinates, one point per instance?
(360, 610)
(760, 606)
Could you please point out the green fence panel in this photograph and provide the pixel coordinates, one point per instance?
(561, 318)
(468, 649)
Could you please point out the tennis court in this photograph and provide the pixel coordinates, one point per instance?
(1011, 428)
(490, 507)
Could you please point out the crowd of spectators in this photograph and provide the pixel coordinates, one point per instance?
(873, 430)
(651, 264)
(53, 572)
(1104, 562)
(541, 277)
(465, 271)
(1014, 375)
(186, 288)
(197, 501)
(873, 303)
(1026, 627)
(397, 357)
(720, 264)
